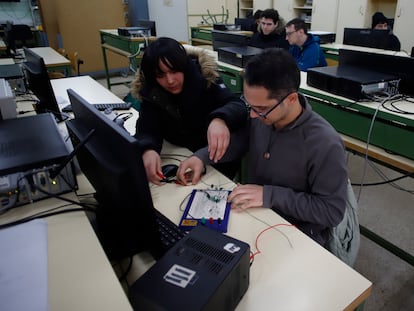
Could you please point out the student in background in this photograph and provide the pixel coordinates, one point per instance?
(256, 17)
(296, 159)
(304, 47)
(184, 101)
(380, 22)
(270, 33)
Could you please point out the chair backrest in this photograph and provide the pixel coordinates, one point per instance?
(18, 36)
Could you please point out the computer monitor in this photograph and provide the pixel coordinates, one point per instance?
(111, 159)
(246, 24)
(367, 37)
(228, 38)
(39, 83)
(147, 24)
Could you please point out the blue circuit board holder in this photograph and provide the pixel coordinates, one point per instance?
(207, 207)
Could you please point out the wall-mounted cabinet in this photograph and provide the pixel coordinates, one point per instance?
(314, 13)
(245, 8)
(403, 24)
(303, 9)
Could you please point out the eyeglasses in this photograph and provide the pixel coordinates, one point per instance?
(290, 32)
(263, 114)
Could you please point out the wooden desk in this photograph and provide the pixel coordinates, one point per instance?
(292, 272)
(80, 277)
(331, 50)
(54, 61)
(392, 131)
(7, 61)
(129, 47)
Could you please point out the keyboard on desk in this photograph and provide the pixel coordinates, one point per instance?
(170, 233)
(102, 107)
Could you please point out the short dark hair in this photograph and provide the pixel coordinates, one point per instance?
(257, 14)
(378, 18)
(298, 23)
(272, 14)
(171, 53)
(275, 70)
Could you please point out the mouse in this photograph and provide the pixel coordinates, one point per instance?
(169, 170)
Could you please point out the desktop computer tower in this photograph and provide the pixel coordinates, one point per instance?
(205, 270)
(237, 55)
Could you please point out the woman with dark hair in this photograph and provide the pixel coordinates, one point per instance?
(184, 101)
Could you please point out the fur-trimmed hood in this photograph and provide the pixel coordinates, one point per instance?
(207, 63)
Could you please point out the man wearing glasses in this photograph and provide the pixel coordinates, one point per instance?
(304, 46)
(296, 159)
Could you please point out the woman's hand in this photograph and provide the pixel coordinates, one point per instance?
(152, 164)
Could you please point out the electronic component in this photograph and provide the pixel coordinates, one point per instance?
(134, 31)
(30, 149)
(8, 108)
(352, 82)
(208, 208)
(13, 73)
(205, 270)
(33, 185)
(237, 55)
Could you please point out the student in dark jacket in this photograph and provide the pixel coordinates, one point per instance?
(184, 101)
(380, 22)
(270, 32)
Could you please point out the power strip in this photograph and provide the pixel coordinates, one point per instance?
(26, 187)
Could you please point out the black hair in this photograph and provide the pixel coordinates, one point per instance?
(257, 14)
(378, 18)
(272, 14)
(275, 70)
(298, 23)
(171, 53)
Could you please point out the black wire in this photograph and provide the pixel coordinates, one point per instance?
(46, 214)
(386, 181)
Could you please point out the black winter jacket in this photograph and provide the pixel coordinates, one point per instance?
(183, 119)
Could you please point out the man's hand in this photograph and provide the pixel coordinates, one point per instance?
(190, 171)
(246, 196)
(152, 164)
(218, 137)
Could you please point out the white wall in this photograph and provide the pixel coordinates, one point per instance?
(170, 18)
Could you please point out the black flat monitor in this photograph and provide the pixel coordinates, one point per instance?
(39, 83)
(367, 37)
(246, 24)
(147, 24)
(222, 39)
(111, 159)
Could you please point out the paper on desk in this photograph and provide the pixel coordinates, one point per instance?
(23, 267)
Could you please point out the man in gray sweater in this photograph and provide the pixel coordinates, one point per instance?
(296, 159)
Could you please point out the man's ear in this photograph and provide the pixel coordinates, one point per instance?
(293, 97)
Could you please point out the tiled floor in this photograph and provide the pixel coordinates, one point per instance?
(388, 212)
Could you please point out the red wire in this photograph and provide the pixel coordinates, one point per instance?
(263, 231)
